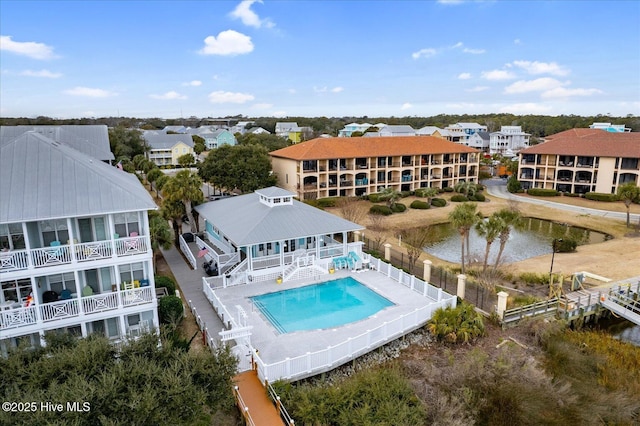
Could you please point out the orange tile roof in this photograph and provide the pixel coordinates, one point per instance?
(589, 143)
(329, 148)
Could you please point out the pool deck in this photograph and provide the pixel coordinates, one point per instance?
(275, 347)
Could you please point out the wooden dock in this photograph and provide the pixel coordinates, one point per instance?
(253, 401)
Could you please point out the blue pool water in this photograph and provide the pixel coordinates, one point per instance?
(325, 305)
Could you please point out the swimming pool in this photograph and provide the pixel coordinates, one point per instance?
(318, 306)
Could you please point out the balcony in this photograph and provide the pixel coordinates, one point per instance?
(15, 260)
(63, 309)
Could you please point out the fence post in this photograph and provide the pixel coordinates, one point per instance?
(427, 270)
(502, 303)
(462, 279)
(387, 252)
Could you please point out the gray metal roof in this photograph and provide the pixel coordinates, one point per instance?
(162, 141)
(247, 221)
(274, 191)
(43, 179)
(92, 140)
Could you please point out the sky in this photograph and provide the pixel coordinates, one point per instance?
(264, 58)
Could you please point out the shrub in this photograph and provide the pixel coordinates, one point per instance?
(380, 209)
(448, 189)
(458, 198)
(398, 208)
(571, 194)
(170, 309)
(567, 245)
(164, 281)
(326, 202)
(479, 187)
(478, 197)
(533, 278)
(438, 202)
(417, 204)
(513, 185)
(374, 198)
(601, 196)
(460, 325)
(406, 194)
(541, 192)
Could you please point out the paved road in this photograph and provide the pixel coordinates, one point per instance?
(498, 188)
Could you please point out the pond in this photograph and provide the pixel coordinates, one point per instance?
(534, 239)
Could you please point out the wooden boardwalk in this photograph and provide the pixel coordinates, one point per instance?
(253, 401)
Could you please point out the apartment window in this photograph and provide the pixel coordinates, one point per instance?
(131, 272)
(61, 282)
(629, 163)
(16, 290)
(54, 230)
(126, 223)
(11, 237)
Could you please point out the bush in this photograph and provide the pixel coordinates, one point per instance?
(164, 281)
(513, 185)
(601, 196)
(417, 204)
(170, 309)
(458, 198)
(460, 325)
(405, 194)
(567, 245)
(326, 202)
(533, 278)
(448, 189)
(438, 202)
(571, 194)
(398, 208)
(478, 197)
(541, 192)
(374, 198)
(479, 187)
(380, 209)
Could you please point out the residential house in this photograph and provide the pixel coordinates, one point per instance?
(166, 149)
(331, 167)
(92, 140)
(175, 129)
(274, 236)
(349, 129)
(429, 131)
(284, 128)
(509, 140)
(258, 131)
(216, 138)
(397, 130)
(618, 128)
(582, 160)
(75, 252)
(241, 127)
(479, 140)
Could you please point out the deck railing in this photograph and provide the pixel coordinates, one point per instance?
(15, 260)
(184, 248)
(24, 316)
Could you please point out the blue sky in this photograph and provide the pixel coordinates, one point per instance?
(174, 59)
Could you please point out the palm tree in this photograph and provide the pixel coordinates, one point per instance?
(467, 188)
(159, 233)
(186, 187)
(629, 193)
(511, 218)
(489, 229)
(390, 195)
(429, 193)
(463, 217)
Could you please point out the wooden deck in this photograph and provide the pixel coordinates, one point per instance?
(253, 401)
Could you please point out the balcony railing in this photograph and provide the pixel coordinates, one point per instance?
(15, 260)
(30, 315)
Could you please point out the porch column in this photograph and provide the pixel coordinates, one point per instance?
(387, 252)
(462, 280)
(356, 236)
(27, 245)
(427, 270)
(123, 325)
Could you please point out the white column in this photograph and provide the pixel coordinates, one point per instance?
(387, 252)
(502, 303)
(356, 236)
(462, 279)
(427, 270)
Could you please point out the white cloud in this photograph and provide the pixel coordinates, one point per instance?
(337, 89)
(292, 91)
(536, 67)
(89, 92)
(478, 89)
(221, 97)
(41, 73)
(457, 45)
(228, 42)
(537, 85)
(498, 75)
(27, 48)
(474, 51)
(563, 92)
(193, 83)
(424, 53)
(464, 76)
(406, 106)
(169, 96)
(526, 108)
(249, 17)
(320, 89)
(517, 41)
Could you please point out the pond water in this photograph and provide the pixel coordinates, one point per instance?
(534, 239)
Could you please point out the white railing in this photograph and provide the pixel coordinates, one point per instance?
(184, 247)
(14, 260)
(206, 337)
(48, 256)
(265, 262)
(228, 262)
(23, 316)
(131, 245)
(219, 307)
(224, 246)
(332, 251)
(93, 250)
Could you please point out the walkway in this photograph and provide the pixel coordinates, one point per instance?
(498, 188)
(253, 401)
